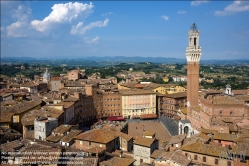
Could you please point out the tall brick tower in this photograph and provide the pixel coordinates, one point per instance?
(193, 55)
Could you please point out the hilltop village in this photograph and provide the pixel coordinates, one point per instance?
(71, 119)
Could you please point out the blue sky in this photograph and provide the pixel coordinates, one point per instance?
(123, 28)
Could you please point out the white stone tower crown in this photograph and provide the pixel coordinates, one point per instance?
(193, 51)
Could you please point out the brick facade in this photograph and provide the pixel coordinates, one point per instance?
(112, 105)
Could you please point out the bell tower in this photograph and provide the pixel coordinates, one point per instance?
(193, 55)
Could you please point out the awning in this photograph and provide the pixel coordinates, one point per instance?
(115, 118)
(148, 116)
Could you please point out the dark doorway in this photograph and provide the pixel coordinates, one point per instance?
(186, 130)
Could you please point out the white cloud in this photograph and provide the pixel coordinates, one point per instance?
(2, 28)
(93, 40)
(165, 17)
(22, 13)
(106, 14)
(181, 12)
(198, 2)
(80, 29)
(76, 28)
(17, 29)
(236, 6)
(63, 13)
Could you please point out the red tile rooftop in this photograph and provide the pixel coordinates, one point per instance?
(143, 141)
(138, 128)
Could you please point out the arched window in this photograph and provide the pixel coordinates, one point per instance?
(231, 112)
(220, 112)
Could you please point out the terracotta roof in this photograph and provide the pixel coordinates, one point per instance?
(44, 151)
(14, 85)
(244, 131)
(128, 85)
(124, 136)
(227, 120)
(208, 131)
(241, 146)
(157, 153)
(180, 159)
(70, 136)
(153, 85)
(176, 139)
(165, 155)
(19, 94)
(28, 118)
(29, 84)
(240, 92)
(77, 83)
(204, 137)
(224, 136)
(177, 95)
(243, 122)
(233, 127)
(6, 117)
(6, 94)
(190, 140)
(19, 107)
(11, 146)
(212, 91)
(144, 141)
(138, 128)
(62, 129)
(98, 135)
(227, 100)
(117, 132)
(9, 132)
(65, 104)
(96, 149)
(139, 86)
(149, 133)
(242, 97)
(54, 138)
(71, 99)
(206, 149)
(176, 157)
(55, 78)
(117, 161)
